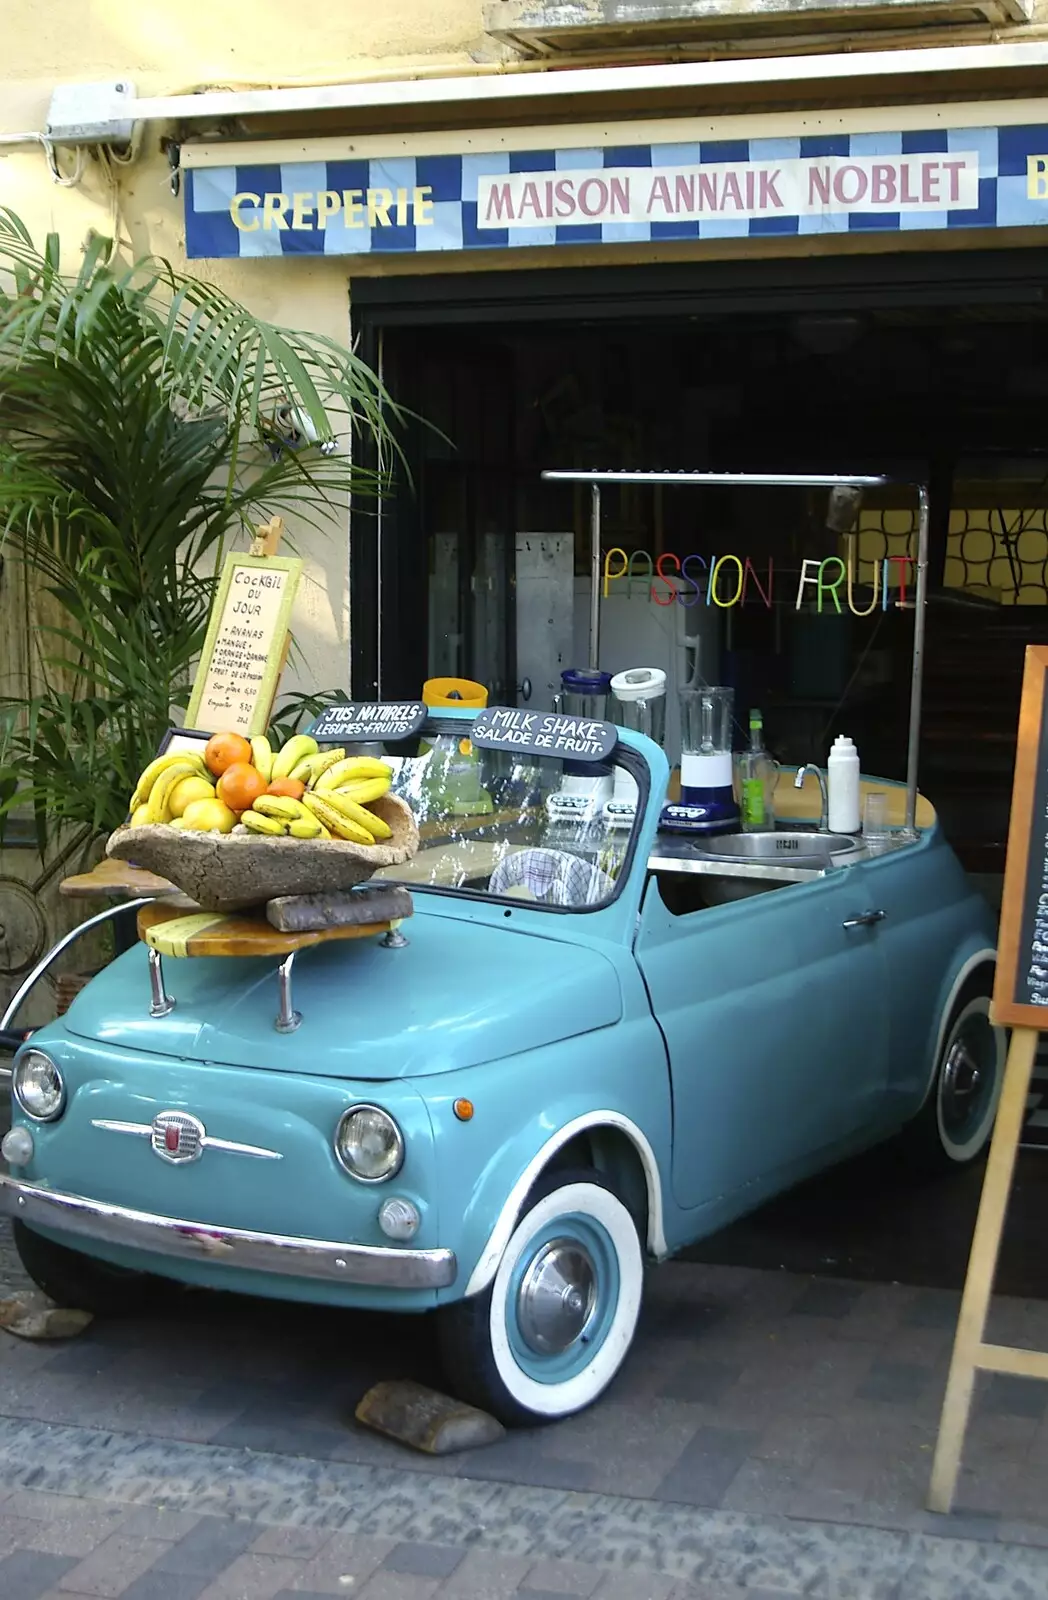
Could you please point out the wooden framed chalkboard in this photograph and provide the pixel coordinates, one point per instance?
(1020, 996)
(246, 645)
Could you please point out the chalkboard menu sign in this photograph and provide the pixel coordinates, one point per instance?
(544, 733)
(245, 647)
(368, 721)
(1020, 996)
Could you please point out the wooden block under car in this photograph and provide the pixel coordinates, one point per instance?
(338, 908)
(426, 1420)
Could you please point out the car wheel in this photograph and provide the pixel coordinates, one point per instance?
(78, 1282)
(555, 1324)
(956, 1121)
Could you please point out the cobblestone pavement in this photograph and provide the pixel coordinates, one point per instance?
(771, 1436)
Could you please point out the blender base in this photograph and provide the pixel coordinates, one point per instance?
(701, 811)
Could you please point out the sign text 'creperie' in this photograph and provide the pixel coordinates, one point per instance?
(741, 189)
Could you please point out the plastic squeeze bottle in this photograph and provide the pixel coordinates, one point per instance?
(842, 771)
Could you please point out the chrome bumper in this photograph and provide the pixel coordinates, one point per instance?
(320, 1259)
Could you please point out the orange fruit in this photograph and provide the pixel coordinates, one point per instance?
(240, 786)
(291, 787)
(224, 750)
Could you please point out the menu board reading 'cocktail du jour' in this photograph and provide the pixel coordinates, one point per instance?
(244, 649)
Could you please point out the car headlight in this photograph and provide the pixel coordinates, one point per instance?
(38, 1086)
(369, 1144)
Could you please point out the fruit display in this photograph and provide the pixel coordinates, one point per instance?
(246, 786)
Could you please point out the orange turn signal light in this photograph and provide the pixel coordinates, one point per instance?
(463, 1109)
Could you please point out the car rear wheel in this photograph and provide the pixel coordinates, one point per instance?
(78, 1282)
(954, 1126)
(548, 1335)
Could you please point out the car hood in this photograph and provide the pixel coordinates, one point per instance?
(460, 993)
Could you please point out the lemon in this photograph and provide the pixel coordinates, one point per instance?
(184, 793)
(209, 816)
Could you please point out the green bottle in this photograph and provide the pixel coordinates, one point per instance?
(755, 768)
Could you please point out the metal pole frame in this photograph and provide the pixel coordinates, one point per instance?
(780, 480)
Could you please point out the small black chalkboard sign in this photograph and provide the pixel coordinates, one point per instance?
(366, 721)
(544, 733)
(1020, 996)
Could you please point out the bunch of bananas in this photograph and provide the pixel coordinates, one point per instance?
(334, 804)
(297, 791)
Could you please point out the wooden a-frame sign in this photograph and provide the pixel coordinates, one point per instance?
(1020, 1002)
(248, 639)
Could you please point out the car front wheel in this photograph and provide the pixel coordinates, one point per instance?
(78, 1282)
(956, 1122)
(555, 1325)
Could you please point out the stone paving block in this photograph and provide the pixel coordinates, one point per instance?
(253, 1577)
(302, 1543)
(112, 1566)
(397, 1586)
(156, 1522)
(933, 1308)
(486, 1575)
(707, 1466)
(74, 1532)
(84, 1359)
(561, 1578)
(155, 1585)
(1002, 1394)
(423, 1560)
(634, 1585)
(827, 1299)
(28, 1574)
(209, 1548)
(762, 1488)
(700, 1381)
(345, 1555)
(901, 1383)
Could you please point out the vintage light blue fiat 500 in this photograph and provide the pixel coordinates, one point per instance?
(591, 1045)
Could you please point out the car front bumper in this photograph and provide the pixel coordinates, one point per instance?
(283, 1255)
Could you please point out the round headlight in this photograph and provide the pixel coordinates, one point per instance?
(38, 1086)
(369, 1144)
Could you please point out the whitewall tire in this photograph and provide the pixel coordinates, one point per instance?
(955, 1124)
(548, 1335)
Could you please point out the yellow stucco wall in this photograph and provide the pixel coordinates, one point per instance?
(169, 49)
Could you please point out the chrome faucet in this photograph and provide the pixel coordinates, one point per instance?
(798, 782)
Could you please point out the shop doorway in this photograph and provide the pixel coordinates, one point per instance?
(930, 366)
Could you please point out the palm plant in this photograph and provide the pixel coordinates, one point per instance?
(137, 441)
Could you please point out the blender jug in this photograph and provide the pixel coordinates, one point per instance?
(585, 786)
(640, 703)
(707, 798)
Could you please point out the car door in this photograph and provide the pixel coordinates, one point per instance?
(775, 1015)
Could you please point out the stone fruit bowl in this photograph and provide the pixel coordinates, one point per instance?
(230, 872)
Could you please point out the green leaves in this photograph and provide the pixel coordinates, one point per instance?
(138, 444)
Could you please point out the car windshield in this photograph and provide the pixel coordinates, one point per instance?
(503, 827)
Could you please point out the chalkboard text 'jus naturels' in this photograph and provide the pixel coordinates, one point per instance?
(727, 580)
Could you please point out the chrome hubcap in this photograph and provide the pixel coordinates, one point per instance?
(556, 1297)
(961, 1077)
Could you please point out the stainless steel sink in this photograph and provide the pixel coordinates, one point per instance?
(783, 847)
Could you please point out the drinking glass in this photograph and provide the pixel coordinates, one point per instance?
(875, 830)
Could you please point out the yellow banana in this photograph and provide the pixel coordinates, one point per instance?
(314, 767)
(160, 765)
(159, 794)
(352, 769)
(362, 790)
(356, 813)
(292, 753)
(281, 806)
(335, 822)
(255, 822)
(308, 827)
(262, 756)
